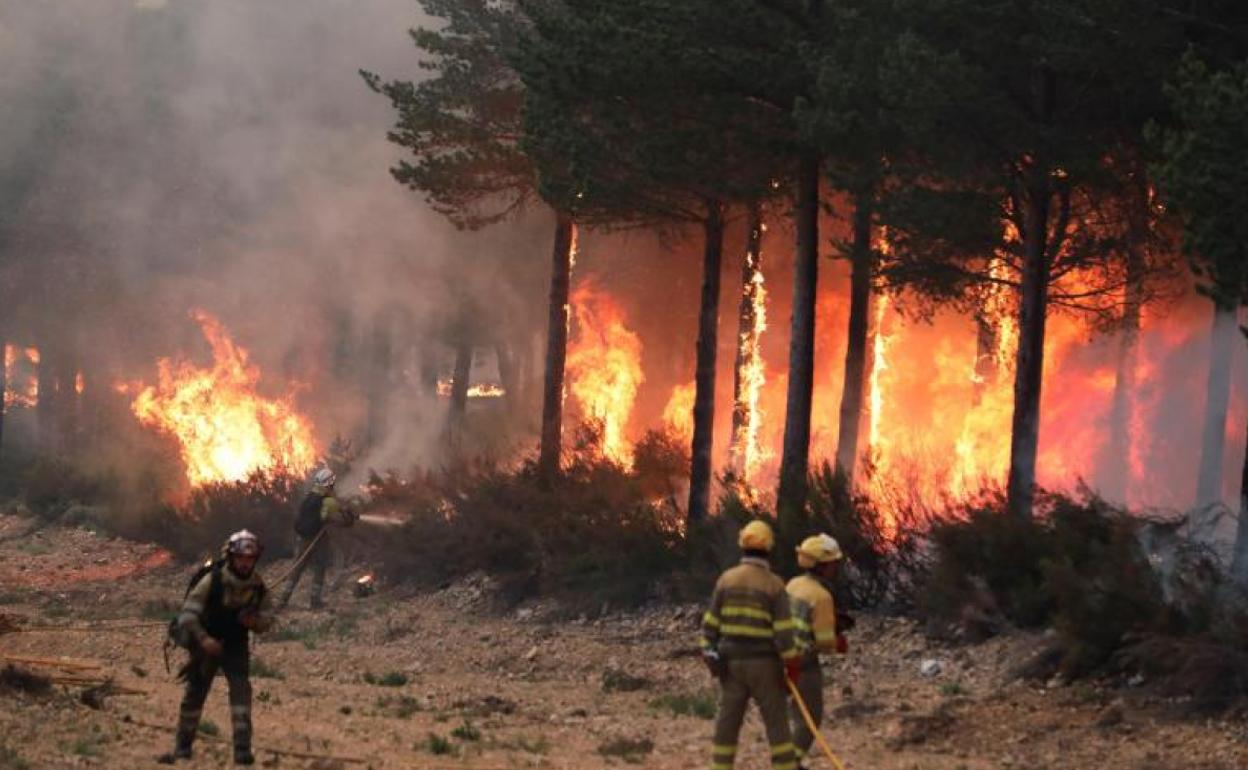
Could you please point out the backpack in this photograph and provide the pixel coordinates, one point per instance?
(176, 634)
(308, 521)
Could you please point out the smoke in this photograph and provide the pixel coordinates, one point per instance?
(163, 155)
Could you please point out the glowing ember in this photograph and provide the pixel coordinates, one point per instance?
(604, 368)
(678, 414)
(224, 428)
(21, 383)
(480, 390)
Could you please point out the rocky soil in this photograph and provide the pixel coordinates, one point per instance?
(401, 679)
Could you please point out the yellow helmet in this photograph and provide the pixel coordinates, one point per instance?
(756, 536)
(818, 549)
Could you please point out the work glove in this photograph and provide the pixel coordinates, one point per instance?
(842, 644)
(714, 663)
(250, 618)
(211, 647)
(793, 669)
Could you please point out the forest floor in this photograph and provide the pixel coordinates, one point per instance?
(445, 679)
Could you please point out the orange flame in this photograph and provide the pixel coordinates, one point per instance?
(20, 390)
(480, 390)
(678, 414)
(224, 428)
(748, 453)
(604, 368)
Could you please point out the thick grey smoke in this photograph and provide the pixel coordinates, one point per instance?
(163, 155)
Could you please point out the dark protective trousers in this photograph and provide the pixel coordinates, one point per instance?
(318, 560)
(810, 685)
(235, 663)
(760, 680)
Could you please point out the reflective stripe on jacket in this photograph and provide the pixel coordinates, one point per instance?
(814, 615)
(749, 613)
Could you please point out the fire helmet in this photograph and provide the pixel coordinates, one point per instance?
(756, 536)
(324, 478)
(243, 543)
(818, 549)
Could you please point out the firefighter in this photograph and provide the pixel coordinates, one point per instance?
(225, 604)
(815, 623)
(319, 508)
(748, 644)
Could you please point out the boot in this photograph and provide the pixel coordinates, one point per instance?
(181, 750)
(243, 756)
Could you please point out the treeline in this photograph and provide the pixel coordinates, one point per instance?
(1054, 152)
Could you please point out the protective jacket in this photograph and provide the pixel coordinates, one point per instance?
(749, 614)
(214, 605)
(814, 615)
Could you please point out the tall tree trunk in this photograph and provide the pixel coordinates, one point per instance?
(1029, 371)
(459, 383)
(861, 259)
(791, 495)
(704, 377)
(46, 399)
(377, 384)
(556, 349)
(507, 373)
(747, 339)
(1117, 476)
(1218, 392)
(985, 357)
(1239, 561)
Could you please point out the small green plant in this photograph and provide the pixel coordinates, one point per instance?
(209, 727)
(614, 680)
(264, 696)
(438, 745)
(701, 705)
(631, 750)
(262, 670)
(58, 609)
(523, 743)
(86, 747)
(390, 679)
(952, 689)
(466, 732)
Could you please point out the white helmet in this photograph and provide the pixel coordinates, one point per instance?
(324, 478)
(243, 543)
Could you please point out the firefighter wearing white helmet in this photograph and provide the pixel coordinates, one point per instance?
(319, 509)
(815, 624)
(227, 600)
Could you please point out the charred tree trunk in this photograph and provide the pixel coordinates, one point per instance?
(1029, 371)
(1118, 465)
(1239, 561)
(747, 341)
(861, 259)
(1218, 392)
(507, 373)
(47, 401)
(704, 377)
(378, 382)
(459, 383)
(556, 349)
(791, 495)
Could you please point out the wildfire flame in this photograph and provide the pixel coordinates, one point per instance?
(20, 390)
(678, 414)
(225, 429)
(747, 452)
(480, 390)
(604, 368)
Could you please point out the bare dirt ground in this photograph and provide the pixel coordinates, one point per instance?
(445, 680)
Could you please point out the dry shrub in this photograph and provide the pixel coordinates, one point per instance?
(594, 535)
(264, 503)
(17, 679)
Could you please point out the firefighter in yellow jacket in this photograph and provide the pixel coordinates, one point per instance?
(814, 618)
(748, 644)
